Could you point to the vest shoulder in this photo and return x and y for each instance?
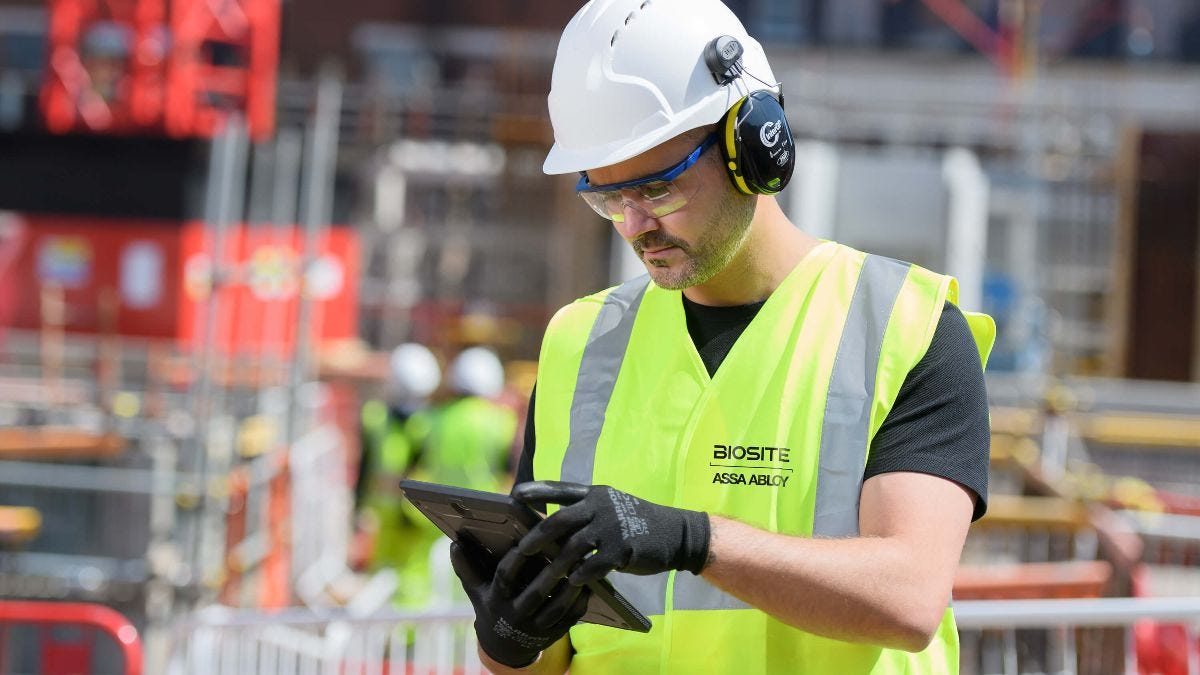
(596, 298)
(563, 344)
(924, 277)
(850, 254)
(583, 309)
(917, 270)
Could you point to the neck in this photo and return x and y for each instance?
(773, 248)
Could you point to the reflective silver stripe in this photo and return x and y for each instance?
(693, 592)
(851, 390)
(647, 593)
(602, 357)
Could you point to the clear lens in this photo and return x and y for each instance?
(654, 191)
(652, 199)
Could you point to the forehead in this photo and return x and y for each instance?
(654, 160)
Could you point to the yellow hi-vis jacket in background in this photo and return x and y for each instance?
(464, 443)
(778, 439)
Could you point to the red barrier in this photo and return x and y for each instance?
(160, 273)
(1162, 646)
(68, 657)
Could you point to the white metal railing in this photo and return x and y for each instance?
(220, 641)
(998, 636)
(1070, 636)
(321, 511)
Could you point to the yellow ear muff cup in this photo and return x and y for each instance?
(729, 146)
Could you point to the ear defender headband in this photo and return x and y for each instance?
(755, 139)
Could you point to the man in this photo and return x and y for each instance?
(465, 441)
(774, 447)
(388, 454)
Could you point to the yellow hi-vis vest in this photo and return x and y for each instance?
(778, 439)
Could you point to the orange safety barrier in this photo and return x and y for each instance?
(1068, 579)
(67, 657)
(257, 569)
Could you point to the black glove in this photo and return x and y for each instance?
(510, 637)
(627, 534)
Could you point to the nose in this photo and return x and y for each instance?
(636, 223)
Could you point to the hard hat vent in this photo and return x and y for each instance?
(628, 20)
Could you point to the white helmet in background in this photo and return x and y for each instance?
(413, 374)
(477, 372)
(630, 74)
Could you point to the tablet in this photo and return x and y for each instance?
(498, 522)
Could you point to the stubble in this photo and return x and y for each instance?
(721, 239)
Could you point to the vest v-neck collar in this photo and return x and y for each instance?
(801, 275)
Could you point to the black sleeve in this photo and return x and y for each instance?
(939, 424)
(525, 465)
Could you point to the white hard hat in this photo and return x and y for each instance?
(631, 74)
(477, 372)
(415, 373)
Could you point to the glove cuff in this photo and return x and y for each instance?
(694, 549)
(509, 662)
(515, 658)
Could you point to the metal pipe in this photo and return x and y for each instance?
(220, 617)
(286, 156)
(225, 193)
(1174, 526)
(320, 170)
(232, 211)
(95, 479)
(1075, 612)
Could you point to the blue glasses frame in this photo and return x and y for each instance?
(665, 176)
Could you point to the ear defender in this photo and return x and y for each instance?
(755, 139)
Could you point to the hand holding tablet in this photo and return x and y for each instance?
(509, 633)
(486, 526)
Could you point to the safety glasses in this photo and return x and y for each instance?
(654, 196)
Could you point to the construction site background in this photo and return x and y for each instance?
(217, 220)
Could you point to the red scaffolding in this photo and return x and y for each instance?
(225, 58)
(106, 65)
(130, 66)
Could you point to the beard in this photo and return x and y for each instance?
(721, 238)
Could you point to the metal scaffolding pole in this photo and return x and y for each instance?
(317, 197)
(223, 203)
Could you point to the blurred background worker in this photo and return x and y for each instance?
(387, 456)
(464, 441)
